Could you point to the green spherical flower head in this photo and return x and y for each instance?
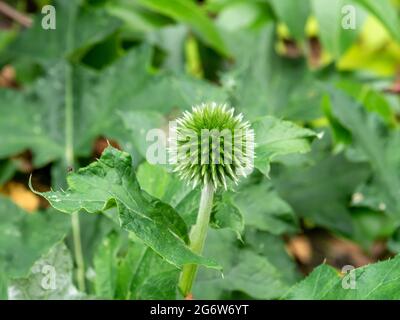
(212, 144)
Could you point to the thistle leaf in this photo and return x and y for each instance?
(111, 181)
(378, 281)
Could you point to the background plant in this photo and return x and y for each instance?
(114, 69)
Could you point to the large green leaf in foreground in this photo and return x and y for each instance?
(111, 181)
(379, 281)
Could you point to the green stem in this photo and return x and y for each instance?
(80, 262)
(69, 157)
(197, 238)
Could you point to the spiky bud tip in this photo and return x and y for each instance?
(212, 144)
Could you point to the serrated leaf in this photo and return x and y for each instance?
(21, 236)
(276, 137)
(111, 181)
(50, 278)
(316, 285)
(378, 281)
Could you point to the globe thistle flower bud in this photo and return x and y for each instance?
(212, 145)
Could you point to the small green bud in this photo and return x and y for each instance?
(212, 145)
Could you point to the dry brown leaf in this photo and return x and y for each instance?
(292, 50)
(300, 248)
(7, 76)
(343, 252)
(315, 52)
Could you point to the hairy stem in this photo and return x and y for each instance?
(197, 238)
(69, 153)
(69, 157)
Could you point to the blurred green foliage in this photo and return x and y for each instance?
(134, 65)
